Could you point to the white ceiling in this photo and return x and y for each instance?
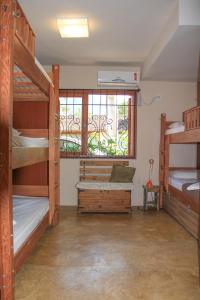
(122, 33)
(178, 61)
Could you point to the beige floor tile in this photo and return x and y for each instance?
(117, 257)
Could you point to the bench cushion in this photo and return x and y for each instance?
(104, 185)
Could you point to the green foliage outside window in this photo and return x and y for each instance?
(97, 145)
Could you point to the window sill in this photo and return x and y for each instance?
(79, 156)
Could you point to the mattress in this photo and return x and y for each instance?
(104, 185)
(23, 141)
(33, 142)
(180, 177)
(185, 173)
(28, 212)
(177, 129)
(178, 183)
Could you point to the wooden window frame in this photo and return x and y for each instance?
(132, 115)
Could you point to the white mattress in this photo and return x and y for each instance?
(23, 141)
(28, 212)
(180, 128)
(179, 182)
(33, 142)
(104, 185)
(185, 173)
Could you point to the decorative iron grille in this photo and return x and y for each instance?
(97, 123)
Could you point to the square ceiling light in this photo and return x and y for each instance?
(73, 28)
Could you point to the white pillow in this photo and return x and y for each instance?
(15, 132)
(194, 186)
(193, 174)
(176, 124)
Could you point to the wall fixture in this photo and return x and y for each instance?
(141, 101)
(73, 28)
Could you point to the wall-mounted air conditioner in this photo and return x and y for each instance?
(119, 78)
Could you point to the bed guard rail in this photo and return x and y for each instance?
(191, 118)
(23, 29)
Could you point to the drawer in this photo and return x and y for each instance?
(183, 198)
(105, 202)
(99, 194)
(182, 213)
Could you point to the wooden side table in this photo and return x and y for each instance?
(155, 201)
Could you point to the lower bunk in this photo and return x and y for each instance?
(30, 220)
(183, 203)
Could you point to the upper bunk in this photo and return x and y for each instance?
(34, 92)
(24, 89)
(186, 132)
(30, 79)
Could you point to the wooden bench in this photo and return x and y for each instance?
(96, 193)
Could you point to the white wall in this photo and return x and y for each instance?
(189, 12)
(175, 98)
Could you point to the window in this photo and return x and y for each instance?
(98, 123)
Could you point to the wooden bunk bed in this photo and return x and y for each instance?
(29, 102)
(182, 204)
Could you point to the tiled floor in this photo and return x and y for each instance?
(144, 256)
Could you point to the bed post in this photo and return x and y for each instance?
(198, 103)
(199, 240)
(6, 107)
(55, 77)
(166, 168)
(162, 158)
(198, 161)
(56, 80)
(54, 149)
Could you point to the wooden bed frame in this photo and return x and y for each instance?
(94, 200)
(178, 204)
(183, 208)
(29, 102)
(185, 205)
(22, 157)
(191, 135)
(29, 245)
